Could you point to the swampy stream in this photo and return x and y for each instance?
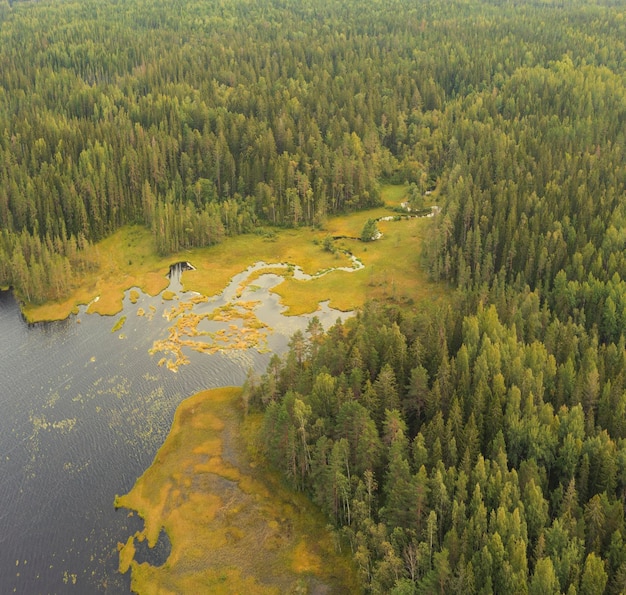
(85, 405)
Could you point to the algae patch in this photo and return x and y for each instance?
(119, 324)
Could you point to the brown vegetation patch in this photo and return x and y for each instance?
(248, 333)
(232, 529)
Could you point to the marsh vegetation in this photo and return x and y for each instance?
(233, 526)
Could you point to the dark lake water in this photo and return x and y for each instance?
(83, 411)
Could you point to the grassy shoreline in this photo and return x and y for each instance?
(392, 266)
(232, 527)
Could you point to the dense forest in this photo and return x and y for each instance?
(459, 453)
(203, 119)
(477, 445)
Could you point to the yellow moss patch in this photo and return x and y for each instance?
(207, 420)
(304, 560)
(393, 272)
(344, 293)
(394, 194)
(217, 466)
(224, 261)
(154, 282)
(251, 333)
(211, 447)
(251, 486)
(246, 535)
(56, 310)
(119, 324)
(168, 295)
(126, 554)
(127, 260)
(133, 296)
(280, 271)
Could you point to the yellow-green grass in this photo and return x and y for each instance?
(127, 260)
(216, 266)
(248, 283)
(393, 194)
(232, 528)
(392, 272)
(251, 333)
(119, 324)
(351, 225)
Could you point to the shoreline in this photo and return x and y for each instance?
(127, 261)
(208, 492)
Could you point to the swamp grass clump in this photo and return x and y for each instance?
(240, 329)
(119, 324)
(233, 527)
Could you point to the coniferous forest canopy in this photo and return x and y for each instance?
(474, 447)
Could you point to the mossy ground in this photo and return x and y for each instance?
(244, 331)
(393, 271)
(119, 324)
(125, 260)
(392, 265)
(233, 528)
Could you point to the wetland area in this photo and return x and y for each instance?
(89, 400)
(85, 409)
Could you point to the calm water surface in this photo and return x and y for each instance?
(83, 411)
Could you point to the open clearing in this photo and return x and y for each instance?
(392, 265)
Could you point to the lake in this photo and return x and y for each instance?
(85, 408)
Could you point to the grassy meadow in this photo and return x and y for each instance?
(391, 270)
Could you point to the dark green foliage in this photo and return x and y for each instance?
(201, 120)
(474, 476)
(370, 231)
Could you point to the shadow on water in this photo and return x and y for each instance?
(178, 268)
(175, 273)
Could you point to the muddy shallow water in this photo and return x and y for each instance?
(83, 412)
